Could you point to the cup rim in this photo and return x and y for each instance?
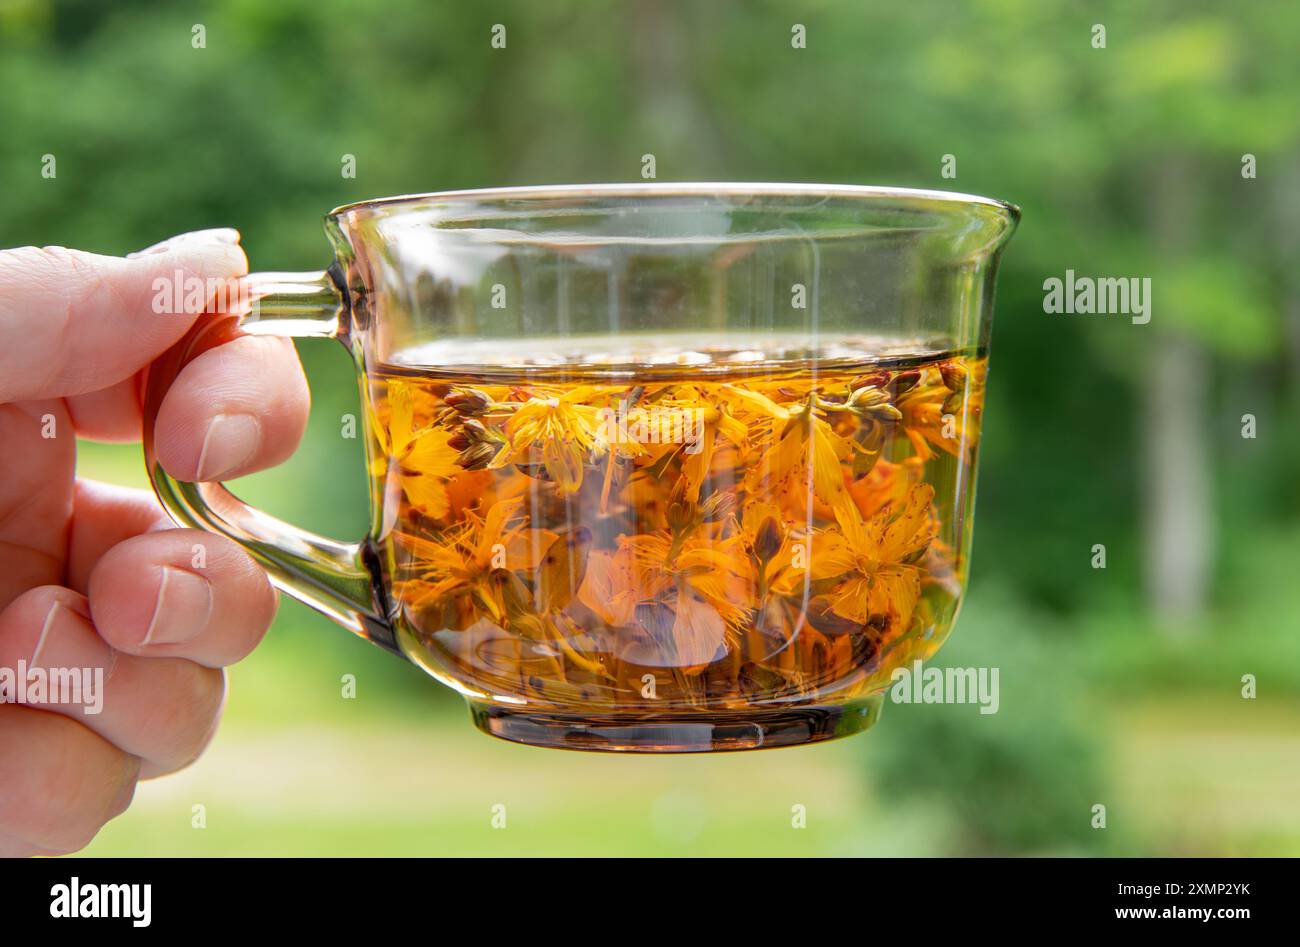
(861, 192)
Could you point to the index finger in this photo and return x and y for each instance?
(74, 322)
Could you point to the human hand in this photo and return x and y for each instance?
(92, 576)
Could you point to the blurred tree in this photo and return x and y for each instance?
(1126, 159)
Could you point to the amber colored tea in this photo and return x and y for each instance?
(720, 529)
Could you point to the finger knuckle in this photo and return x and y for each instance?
(181, 726)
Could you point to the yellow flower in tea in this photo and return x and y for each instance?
(877, 560)
(808, 445)
(714, 421)
(473, 489)
(763, 535)
(423, 457)
(753, 402)
(559, 432)
(886, 483)
(671, 424)
(944, 409)
(462, 562)
(690, 600)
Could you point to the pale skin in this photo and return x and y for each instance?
(97, 576)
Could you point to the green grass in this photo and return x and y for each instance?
(1209, 775)
(417, 780)
(298, 770)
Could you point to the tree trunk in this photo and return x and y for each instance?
(684, 137)
(1178, 477)
(1177, 483)
(1286, 214)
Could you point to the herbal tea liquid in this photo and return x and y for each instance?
(706, 529)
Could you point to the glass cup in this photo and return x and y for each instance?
(654, 467)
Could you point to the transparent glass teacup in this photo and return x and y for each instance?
(654, 467)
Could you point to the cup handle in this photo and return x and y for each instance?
(333, 577)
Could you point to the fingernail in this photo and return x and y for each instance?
(182, 610)
(226, 235)
(57, 635)
(45, 634)
(231, 439)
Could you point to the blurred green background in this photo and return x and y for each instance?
(1121, 686)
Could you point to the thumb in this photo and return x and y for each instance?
(74, 322)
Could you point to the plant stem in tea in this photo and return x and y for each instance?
(687, 538)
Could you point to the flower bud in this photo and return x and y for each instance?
(477, 456)
(873, 380)
(954, 376)
(768, 539)
(468, 401)
(717, 506)
(906, 380)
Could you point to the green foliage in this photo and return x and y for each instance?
(1023, 779)
(1221, 302)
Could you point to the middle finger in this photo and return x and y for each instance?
(162, 710)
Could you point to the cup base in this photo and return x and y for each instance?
(699, 732)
